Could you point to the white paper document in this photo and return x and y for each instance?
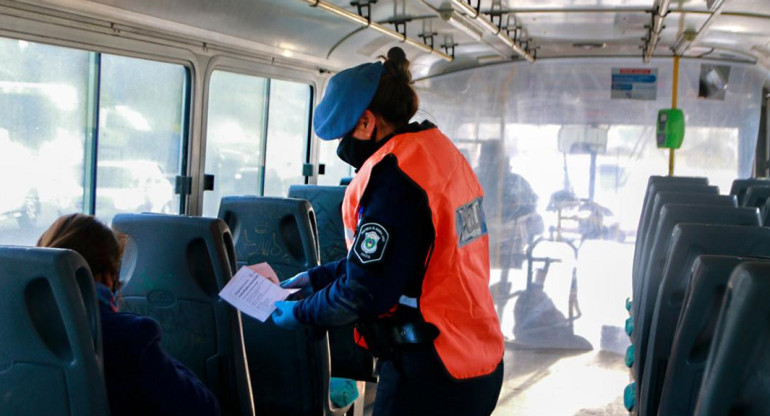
(253, 294)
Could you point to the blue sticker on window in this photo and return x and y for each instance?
(470, 222)
(371, 241)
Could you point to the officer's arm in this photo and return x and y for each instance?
(321, 276)
(391, 245)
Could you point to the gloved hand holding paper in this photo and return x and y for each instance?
(253, 294)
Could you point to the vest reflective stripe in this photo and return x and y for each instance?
(455, 292)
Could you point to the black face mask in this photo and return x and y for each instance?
(355, 152)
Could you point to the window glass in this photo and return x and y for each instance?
(287, 130)
(43, 92)
(336, 169)
(140, 136)
(234, 137)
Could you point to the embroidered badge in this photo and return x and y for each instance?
(371, 242)
(470, 222)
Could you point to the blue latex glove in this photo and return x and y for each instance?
(283, 315)
(300, 281)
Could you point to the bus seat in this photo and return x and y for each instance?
(649, 200)
(646, 239)
(694, 333)
(740, 186)
(280, 231)
(660, 200)
(764, 213)
(348, 360)
(327, 205)
(756, 195)
(290, 370)
(654, 180)
(688, 242)
(660, 263)
(656, 188)
(51, 349)
(735, 377)
(173, 269)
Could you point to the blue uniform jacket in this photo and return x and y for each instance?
(141, 378)
(349, 290)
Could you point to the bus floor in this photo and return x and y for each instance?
(556, 383)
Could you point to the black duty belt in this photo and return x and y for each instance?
(384, 338)
(414, 333)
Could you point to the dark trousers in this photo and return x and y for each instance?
(416, 383)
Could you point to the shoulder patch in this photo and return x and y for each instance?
(470, 222)
(371, 241)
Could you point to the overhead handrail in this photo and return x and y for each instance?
(489, 26)
(659, 12)
(685, 39)
(367, 23)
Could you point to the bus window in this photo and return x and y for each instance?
(234, 136)
(335, 169)
(42, 102)
(287, 133)
(140, 136)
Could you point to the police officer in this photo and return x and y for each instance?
(416, 276)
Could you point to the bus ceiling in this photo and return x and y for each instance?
(446, 35)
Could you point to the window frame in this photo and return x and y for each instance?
(255, 69)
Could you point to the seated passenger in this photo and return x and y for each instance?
(510, 206)
(141, 378)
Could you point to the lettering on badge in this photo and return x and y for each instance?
(371, 241)
(470, 222)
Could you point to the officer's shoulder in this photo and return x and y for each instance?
(391, 182)
(387, 163)
(388, 170)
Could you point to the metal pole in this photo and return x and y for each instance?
(674, 96)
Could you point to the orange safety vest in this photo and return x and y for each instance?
(455, 290)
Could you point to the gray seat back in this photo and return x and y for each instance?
(51, 348)
(735, 378)
(327, 206)
(173, 269)
(648, 195)
(290, 370)
(281, 231)
(740, 186)
(756, 195)
(348, 359)
(688, 242)
(671, 215)
(764, 212)
(661, 260)
(660, 200)
(694, 333)
(645, 218)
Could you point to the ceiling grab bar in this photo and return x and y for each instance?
(363, 21)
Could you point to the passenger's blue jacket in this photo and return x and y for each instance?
(141, 378)
(349, 290)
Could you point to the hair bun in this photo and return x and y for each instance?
(397, 55)
(398, 65)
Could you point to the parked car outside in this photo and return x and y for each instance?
(132, 186)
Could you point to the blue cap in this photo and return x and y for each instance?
(347, 97)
